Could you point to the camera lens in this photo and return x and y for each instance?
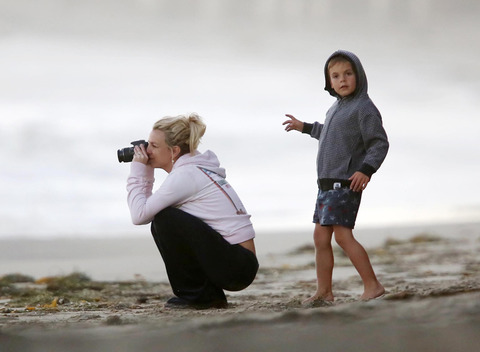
(125, 155)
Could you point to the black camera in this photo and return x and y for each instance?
(126, 154)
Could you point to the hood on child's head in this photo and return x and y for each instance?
(362, 85)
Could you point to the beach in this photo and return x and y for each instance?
(432, 303)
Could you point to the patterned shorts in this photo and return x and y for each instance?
(337, 207)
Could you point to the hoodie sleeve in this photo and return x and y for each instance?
(313, 129)
(144, 205)
(375, 142)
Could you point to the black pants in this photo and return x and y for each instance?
(200, 263)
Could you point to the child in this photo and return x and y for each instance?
(352, 146)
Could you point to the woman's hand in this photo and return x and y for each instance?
(359, 181)
(293, 124)
(140, 154)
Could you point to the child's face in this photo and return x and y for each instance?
(342, 78)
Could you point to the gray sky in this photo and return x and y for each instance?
(81, 80)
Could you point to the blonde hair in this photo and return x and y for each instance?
(184, 131)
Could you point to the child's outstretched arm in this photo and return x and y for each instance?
(293, 124)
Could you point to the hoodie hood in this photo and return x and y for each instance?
(361, 77)
(207, 160)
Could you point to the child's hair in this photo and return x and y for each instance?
(184, 131)
(340, 58)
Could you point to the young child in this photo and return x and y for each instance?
(352, 146)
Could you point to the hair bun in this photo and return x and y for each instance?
(184, 131)
(193, 117)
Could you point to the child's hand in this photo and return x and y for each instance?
(359, 181)
(293, 124)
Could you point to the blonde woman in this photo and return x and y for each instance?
(199, 224)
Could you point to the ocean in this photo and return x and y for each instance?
(81, 80)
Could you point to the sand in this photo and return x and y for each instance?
(432, 304)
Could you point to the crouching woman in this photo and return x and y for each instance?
(198, 222)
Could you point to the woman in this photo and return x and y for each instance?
(199, 224)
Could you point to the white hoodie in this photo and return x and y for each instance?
(195, 185)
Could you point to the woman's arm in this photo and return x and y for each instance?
(144, 205)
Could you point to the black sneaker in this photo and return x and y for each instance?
(180, 303)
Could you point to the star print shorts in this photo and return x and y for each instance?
(337, 207)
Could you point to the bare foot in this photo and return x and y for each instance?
(319, 300)
(373, 293)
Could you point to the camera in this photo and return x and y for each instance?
(126, 154)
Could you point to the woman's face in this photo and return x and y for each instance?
(160, 155)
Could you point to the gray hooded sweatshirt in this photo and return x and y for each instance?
(352, 137)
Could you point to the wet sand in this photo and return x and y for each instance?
(432, 304)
